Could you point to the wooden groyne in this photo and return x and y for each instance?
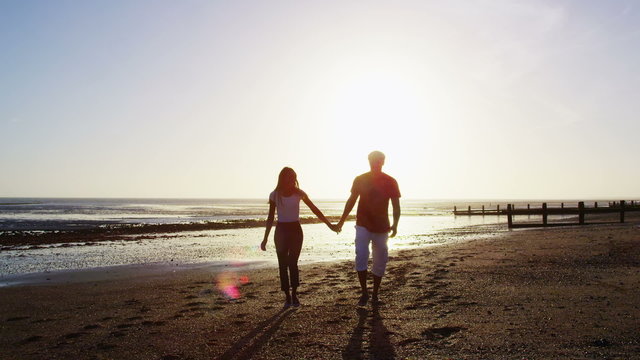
(510, 210)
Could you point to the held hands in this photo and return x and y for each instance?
(335, 228)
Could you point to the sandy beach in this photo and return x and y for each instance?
(569, 292)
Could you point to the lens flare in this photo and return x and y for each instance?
(228, 284)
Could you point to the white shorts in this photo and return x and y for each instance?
(379, 247)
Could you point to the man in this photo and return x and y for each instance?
(375, 189)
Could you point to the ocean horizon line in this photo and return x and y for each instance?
(472, 199)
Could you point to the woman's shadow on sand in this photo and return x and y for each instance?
(380, 346)
(251, 343)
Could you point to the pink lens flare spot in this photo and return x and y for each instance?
(231, 292)
(228, 284)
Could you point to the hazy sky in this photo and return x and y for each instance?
(468, 99)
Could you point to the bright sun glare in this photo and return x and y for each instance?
(384, 110)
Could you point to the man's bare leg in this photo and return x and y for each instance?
(376, 287)
(362, 276)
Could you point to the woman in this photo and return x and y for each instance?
(288, 238)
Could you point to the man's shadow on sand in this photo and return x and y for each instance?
(251, 343)
(380, 346)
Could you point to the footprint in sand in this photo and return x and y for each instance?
(31, 339)
(153, 323)
(442, 332)
(205, 292)
(18, 318)
(408, 341)
(92, 326)
(103, 346)
(118, 333)
(74, 335)
(134, 318)
(195, 304)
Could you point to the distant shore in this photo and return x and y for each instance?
(570, 292)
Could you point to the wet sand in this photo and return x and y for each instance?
(570, 292)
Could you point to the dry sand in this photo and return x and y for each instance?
(570, 292)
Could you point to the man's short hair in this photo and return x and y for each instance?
(376, 156)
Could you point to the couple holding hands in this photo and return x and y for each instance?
(374, 188)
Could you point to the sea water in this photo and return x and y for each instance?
(423, 223)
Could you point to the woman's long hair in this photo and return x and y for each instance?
(284, 173)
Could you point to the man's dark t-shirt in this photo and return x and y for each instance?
(375, 190)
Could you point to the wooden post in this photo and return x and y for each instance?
(595, 204)
(498, 209)
(528, 206)
(581, 212)
(469, 210)
(544, 214)
(562, 205)
(455, 209)
(621, 211)
(509, 217)
(482, 209)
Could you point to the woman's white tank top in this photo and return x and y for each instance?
(287, 207)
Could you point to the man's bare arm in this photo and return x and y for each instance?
(395, 202)
(347, 209)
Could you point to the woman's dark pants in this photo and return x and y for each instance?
(288, 240)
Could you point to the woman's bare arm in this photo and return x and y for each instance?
(317, 212)
(272, 212)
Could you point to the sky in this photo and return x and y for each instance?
(481, 99)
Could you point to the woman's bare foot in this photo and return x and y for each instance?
(363, 300)
(287, 301)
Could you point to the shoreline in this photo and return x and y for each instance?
(112, 272)
(9, 239)
(569, 292)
